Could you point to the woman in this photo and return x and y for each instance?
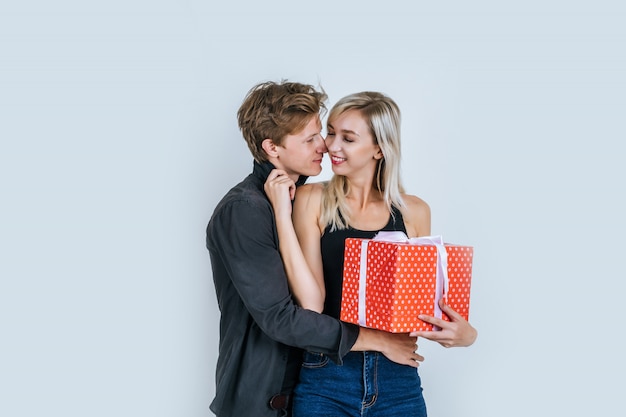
(364, 197)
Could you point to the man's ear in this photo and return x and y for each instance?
(269, 147)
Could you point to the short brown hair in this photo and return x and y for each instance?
(274, 110)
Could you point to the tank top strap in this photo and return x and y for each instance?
(396, 221)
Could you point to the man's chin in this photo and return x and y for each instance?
(314, 172)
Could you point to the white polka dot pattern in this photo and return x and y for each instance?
(401, 283)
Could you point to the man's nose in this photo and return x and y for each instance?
(322, 145)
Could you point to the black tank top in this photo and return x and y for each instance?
(332, 246)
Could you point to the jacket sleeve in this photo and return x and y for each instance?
(243, 236)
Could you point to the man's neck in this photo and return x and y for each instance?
(278, 165)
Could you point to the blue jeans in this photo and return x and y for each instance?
(366, 385)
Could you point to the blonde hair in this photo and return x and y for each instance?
(383, 117)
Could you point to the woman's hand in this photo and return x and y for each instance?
(280, 190)
(454, 333)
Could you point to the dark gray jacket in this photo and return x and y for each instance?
(259, 321)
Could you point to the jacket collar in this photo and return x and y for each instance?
(262, 171)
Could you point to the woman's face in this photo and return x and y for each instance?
(351, 146)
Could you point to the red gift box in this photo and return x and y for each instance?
(387, 284)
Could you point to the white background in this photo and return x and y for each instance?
(119, 136)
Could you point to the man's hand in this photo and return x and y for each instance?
(454, 333)
(397, 347)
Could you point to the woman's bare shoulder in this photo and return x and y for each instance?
(417, 216)
(309, 197)
(415, 204)
(310, 190)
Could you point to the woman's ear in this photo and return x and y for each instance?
(269, 147)
(379, 153)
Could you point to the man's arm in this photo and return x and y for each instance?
(242, 236)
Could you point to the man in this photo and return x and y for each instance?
(262, 330)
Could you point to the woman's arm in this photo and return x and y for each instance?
(304, 286)
(457, 331)
(306, 222)
(454, 333)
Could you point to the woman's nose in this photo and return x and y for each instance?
(330, 143)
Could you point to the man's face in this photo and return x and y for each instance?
(302, 153)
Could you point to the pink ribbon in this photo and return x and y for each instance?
(441, 286)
